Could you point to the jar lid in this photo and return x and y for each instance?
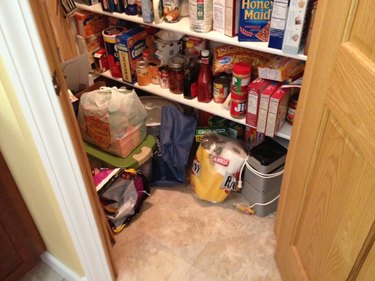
(242, 68)
(176, 62)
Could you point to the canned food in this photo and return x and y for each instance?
(143, 73)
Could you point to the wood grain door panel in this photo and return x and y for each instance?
(326, 220)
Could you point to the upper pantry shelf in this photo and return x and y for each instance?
(183, 26)
(211, 107)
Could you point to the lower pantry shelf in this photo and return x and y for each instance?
(211, 107)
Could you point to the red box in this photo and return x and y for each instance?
(277, 111)
(263, 105)
(254, 90)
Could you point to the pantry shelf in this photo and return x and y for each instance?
(211, 107)
(183, 26)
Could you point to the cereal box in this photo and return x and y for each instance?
(130, 45)
(255, 16)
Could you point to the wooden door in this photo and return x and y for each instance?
(325, 223)
(20, 242)
(54, 53)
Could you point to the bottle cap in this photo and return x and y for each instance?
(189, 44)
(205, 53)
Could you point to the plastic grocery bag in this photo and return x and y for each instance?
(113, 119)
(121, 193)
(216, 167)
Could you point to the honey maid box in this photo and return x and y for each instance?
(254, 23)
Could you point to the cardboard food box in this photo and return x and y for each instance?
(232, 17)
(130, 45)
(89, 23)
(277, 111)
(254, 23)
(219, 15)
(254, 90)
(281, 69)
(278, 22)
(263, 105)
(296, 26)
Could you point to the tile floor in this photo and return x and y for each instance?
(42, 272)
(180, 238)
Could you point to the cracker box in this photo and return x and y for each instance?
(255, 17)
(297, 26)
(263, 105)
(232, 16)
(254, 90)
(277, 111)
(130, 45)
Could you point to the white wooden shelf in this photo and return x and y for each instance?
(211, 107)
(183, 26)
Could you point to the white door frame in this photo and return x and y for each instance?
(23, 54)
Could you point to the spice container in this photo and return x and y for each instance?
(238, 103)
(292, 107)
(221, 88)
(164, 77)
(143, 73)
(241, 77)
(176, 75)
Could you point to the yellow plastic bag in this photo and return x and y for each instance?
(216, 167)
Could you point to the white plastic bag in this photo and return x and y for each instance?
(113, 119)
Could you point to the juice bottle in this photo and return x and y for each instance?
(205, 78)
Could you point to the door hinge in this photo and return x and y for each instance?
(56, 83)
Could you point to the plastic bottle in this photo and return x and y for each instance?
(205, 78)
(191, 72)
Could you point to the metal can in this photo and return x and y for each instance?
(143, 73)
(164, 77)
(238, 103)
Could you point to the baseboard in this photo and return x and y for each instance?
(60, 268)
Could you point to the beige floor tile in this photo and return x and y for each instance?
(140, 257)
(240, 258)
(179, 237)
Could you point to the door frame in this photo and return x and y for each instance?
(27, 66)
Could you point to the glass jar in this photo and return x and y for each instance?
(292, 107)
(176, 75)
(143, 74)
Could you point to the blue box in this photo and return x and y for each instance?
(278, 23)
(255, 17)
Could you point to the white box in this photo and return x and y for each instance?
(296, 26)
(232, 17)
(219, 16)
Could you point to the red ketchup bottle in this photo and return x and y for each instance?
(205, 78)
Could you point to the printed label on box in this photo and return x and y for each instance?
(255, 16)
